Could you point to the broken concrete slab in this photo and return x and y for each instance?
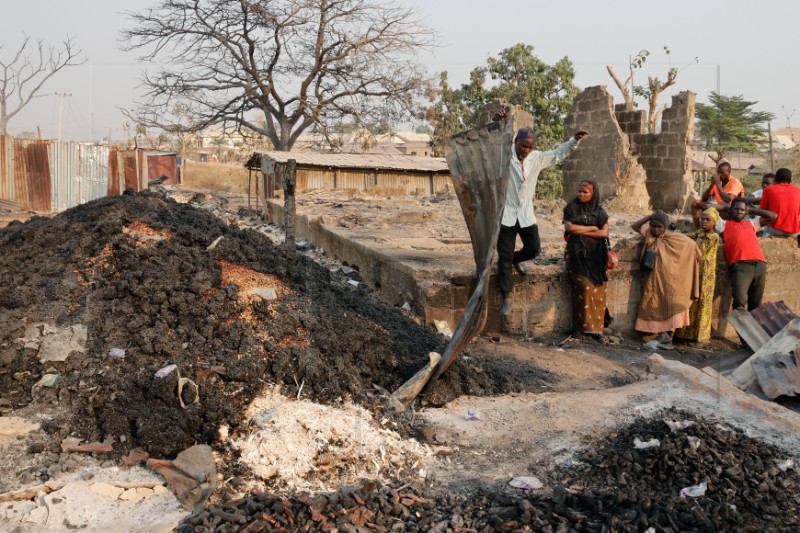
(107, 490)
(778, 374)
(768, 413)
(265, 293)
(54, 343)
(192, 475)
(93, 505)
(14, 426)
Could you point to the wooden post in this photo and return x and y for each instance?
(289, 183)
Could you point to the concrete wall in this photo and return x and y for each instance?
(639, 169)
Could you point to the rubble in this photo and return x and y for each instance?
(171, 301)
(729, 483)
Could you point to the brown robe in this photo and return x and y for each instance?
(675, 279)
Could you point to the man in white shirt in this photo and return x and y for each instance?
(518, 215)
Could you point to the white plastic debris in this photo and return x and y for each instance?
(353, 282)
(406, 306)
(443, 328)
(694, 442)
(346, 270)
(526, 483)
(786, 465)
(473, 415)
(116, 352)
(652, 345)
(675, 425)
(650, 530)
(642, 445)
(215, 243)
(166, 371)
(695, 491)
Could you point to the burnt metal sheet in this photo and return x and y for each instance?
(773, 316)
(479, 162)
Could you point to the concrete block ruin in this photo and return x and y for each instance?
(640, 170)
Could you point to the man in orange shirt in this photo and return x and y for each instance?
(724, 189)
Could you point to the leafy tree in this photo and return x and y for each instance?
(730, 124)
(520, 78)
(28, 69)
(279, 67)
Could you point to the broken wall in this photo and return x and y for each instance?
(604, 155)
(641, 170)
(666, 155)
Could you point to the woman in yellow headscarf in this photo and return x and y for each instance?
(707, 240)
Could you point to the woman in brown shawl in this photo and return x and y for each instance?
(672, 282)
(586, 232)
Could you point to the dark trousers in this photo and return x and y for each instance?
(748, 279)
(506, 256)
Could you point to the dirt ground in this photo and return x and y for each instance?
(288, 345)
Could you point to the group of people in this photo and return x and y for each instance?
(678, 270)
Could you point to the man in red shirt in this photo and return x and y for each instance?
(784, 199)
(746, 263)
(723, 189)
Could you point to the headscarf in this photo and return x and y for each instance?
(525, 134)
(587, 255)
(660, 217)
(713, 213)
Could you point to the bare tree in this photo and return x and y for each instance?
(649, 92)
(295, 62)
(28, 70)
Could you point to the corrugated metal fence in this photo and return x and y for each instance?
(50, 176)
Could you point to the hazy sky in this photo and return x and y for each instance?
(752, 45)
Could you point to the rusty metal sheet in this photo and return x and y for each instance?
(773, 316)
(33, 169)
(479, 163)
(162, 165)
(114, 177)
(131, 177)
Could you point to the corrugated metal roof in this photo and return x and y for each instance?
(366, 161)
(773, 316)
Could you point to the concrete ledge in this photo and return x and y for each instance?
(437, 281)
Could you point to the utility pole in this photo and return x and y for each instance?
(60, 111)
(771, 151)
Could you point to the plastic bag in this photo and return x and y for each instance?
(695, 491)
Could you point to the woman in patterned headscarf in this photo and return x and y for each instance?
(670, 283)
(586, 231)
(707, 240)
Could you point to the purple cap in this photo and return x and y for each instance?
(525, 134)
